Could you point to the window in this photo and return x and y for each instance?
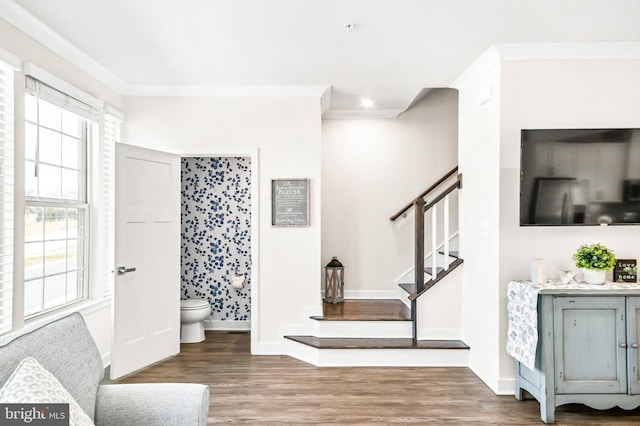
(6, 196)
(57, 131)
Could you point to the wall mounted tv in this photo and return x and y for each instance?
(580, 177)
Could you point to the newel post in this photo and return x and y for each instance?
(418, 263)
(419, 244)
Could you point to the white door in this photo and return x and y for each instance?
(146, 305)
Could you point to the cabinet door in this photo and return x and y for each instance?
(589, 338)
(633, 340)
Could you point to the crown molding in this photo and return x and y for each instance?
(339, 114)
(568, 51)
(499, 53)
(248, 91)
(483, 64)
(42, 33)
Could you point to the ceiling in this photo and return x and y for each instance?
(390, 51)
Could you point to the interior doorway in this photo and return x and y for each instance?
(223, 188)
(216, 238)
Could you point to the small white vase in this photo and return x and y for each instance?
(594, 276)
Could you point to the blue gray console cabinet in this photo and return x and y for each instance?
(587, 351)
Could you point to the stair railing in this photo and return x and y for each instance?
(403, 211)
(421, 207)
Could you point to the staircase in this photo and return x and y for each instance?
(384, 332)
(378, 332)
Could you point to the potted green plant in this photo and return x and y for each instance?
(594, 260)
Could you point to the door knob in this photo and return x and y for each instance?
(123, 270)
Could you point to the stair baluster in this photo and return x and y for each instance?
(436, 273)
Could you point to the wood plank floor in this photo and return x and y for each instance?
(365, 310)
(278, 390)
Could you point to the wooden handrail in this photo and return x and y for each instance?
(446, 192)
(435, 280)
(424, 193)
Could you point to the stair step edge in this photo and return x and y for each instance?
(321, 318)
(376, 343)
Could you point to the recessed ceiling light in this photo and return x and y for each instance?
(366, 102)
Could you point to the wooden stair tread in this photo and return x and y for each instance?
(428, 269)
(376, 343)
(365, 310)
(408, 287)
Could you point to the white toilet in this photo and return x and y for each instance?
(193, 312)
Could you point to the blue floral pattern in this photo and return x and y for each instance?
(216, 234)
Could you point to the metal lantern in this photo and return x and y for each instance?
(334, 281)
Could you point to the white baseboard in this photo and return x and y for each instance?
(106, 359)
(227, 325)
(490, 380)
(506, 387)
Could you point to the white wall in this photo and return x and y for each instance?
(479, 161)
(371, 168)
(506, 90)
(557, 94)
(287, 134)
(98, 317)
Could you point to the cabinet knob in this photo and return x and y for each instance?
(634, 346)
(623, 345)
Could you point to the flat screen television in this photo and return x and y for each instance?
(580, 177)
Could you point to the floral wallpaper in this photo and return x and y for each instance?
(216, 234)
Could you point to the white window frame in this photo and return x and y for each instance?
(100, 168)
(91, 108)
(81, 291)
(8, 65)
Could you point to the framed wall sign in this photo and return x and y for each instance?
(290, 202)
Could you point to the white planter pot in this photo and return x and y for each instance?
(594, 276)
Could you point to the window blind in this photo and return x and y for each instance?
(6, 195)
(112, 124)
(49, 94)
